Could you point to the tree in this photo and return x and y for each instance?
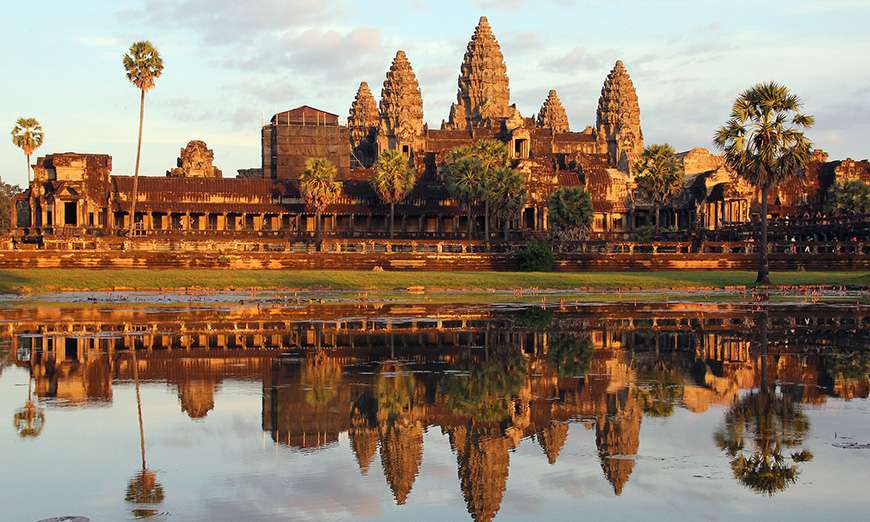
(463, 177)
(764, 144)
(848, 197)
(492, 156)
(143, 66)
(570, 207)
(660, 176)
(28, 136)
(319, 188)
(394, 179)
(7, 202)
(505, 192)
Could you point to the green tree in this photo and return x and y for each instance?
(570, 208)
(505, 193)
(660, 176)
(28, 136)
(463, 177)
(483, 390)
(764, 143)
(394, 179)
(492, 156)
(143, 66)
(848, 197)
(319, 189)
(7, 202)
(570, 353)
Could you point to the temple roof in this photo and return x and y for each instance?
(401, 104)
(552, 114)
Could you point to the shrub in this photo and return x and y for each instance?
(537, 256)
(645, 233)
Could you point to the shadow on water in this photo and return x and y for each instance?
(488, 378)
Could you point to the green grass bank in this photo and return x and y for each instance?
(52, 280)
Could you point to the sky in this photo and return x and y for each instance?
(230, 65)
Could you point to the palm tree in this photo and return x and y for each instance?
(764, 143)
(463, 177)
(319, 188)
(393, 180)
(27, 135)
(143, 65)
(494, 155)
(30, 419)
(570, 208)
(660, 175)
(505, 192)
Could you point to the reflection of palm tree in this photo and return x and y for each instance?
(665, 388)
(758, 429)
(570, 354)
(485, 393)
(30, 419)
(395, 390)
(143, 488)
(320, 377)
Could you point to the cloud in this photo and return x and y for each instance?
(573, 60)
(222, 22)
(520, 42)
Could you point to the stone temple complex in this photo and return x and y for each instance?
(75, 195)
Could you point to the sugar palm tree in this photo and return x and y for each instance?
(143, 66)
(463, 177)
(30, 419)
(764, 143)
(28, 136)
(660, 176)
(393, 180)
(319, 188)
(505, 192)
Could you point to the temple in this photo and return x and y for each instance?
(76, 196)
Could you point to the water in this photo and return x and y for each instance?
(397, 412)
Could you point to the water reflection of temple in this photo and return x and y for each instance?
(515, 375)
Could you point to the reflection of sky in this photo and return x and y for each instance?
(224, 467)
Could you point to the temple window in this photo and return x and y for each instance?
(175, 222)
(90, 219)
(521, 148)
(406, 150)
(212, 221)
(22, 214)
(249, 222)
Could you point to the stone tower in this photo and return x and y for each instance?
(618, 119)
(552, 114)
(401, 108)
(483, 99)
(363, 121)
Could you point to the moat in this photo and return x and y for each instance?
(376, 411)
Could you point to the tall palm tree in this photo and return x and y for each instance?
(505, 193)
(27, 135)
(30, 419)
(494, 155)
(764, 143)
(660, 176)
(393, 180)
(464, 177)
(143, 65)
(319, 188)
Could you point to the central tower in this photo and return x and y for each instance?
(483, 99)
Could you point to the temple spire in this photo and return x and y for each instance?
(362, 121)
(401, 107)
(618, 119)
(484, 94)
(552, 114)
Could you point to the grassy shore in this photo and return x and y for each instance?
(52, 280)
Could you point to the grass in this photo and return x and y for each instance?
(49, 280)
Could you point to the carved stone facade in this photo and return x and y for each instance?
(483, 99)
(401, 122)
(618, 119)
(552, 114)
(195, 161)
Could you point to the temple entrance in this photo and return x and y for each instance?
(70, 216)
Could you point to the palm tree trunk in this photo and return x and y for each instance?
(139, 407)
(135, 193)
(470, 233)
(27, 159)
(658, 211)
(486, 220)
(506, 225)
(392, 218)
(763, 271)
(318, 235)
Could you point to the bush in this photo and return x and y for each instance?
(537, 256)
(645, 233)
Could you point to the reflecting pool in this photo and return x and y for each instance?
(403, 412)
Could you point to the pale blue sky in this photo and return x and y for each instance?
(231, 64)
